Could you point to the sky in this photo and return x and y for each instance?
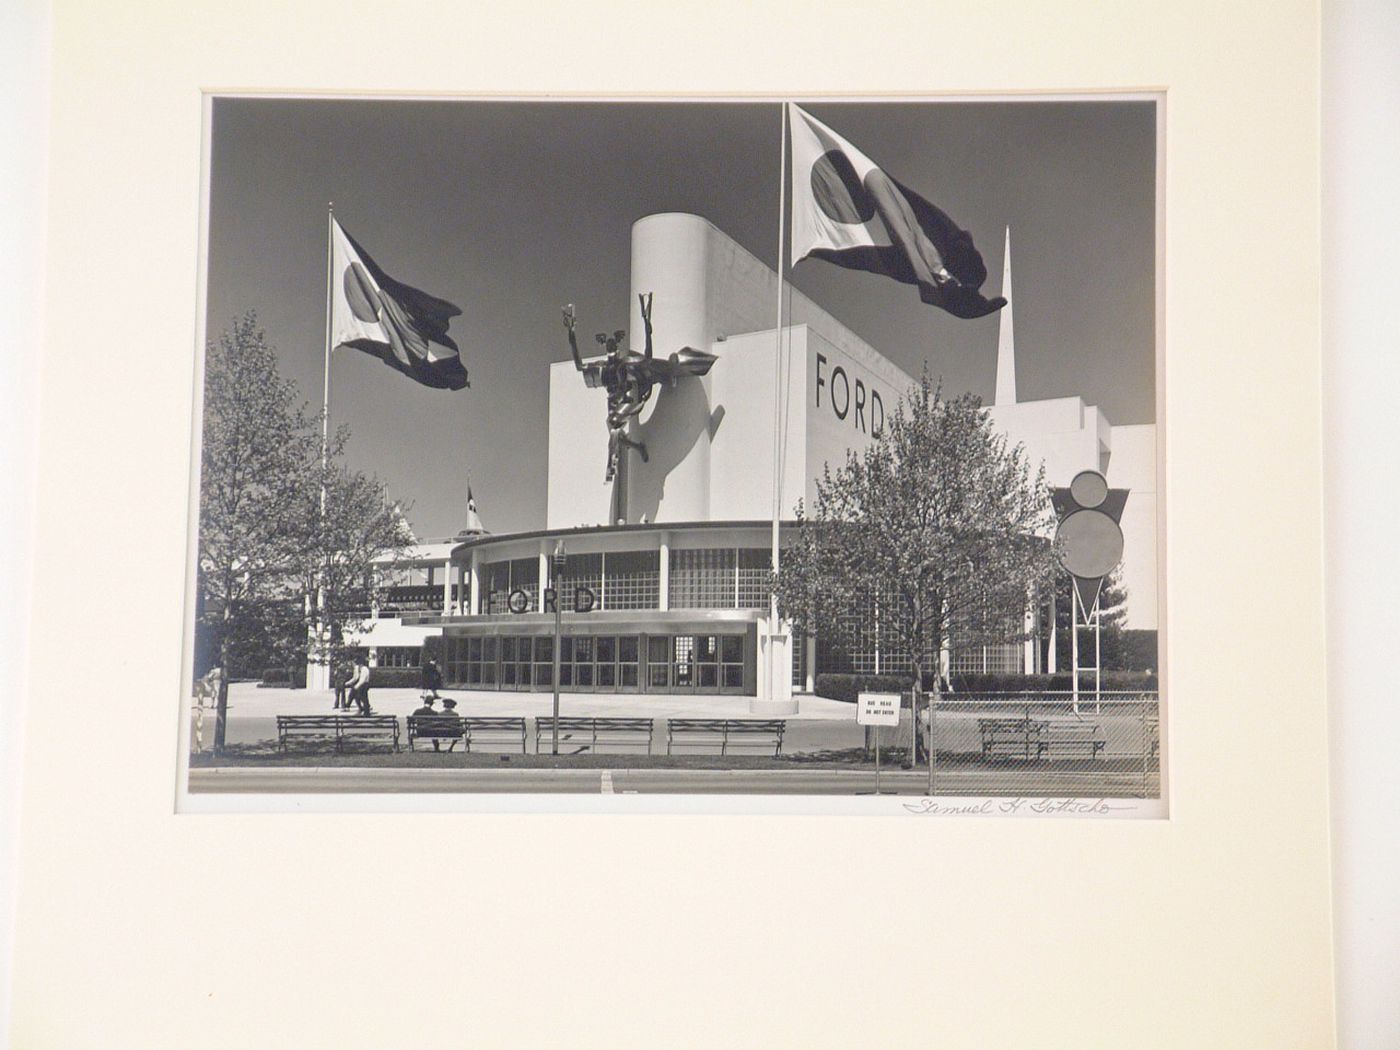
(511, 209)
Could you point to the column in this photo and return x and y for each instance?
(544, 573)
(474, 609)
(671, 258)
(664, 583)
(774, 670)
(447, 587)
(811, 644)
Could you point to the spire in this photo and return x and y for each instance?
(1006, 340)
(474, 526)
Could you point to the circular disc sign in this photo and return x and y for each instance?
(1090, 543)
(1089, 489)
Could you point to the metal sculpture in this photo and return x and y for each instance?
(629, 378)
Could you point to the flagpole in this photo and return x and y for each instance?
(771, 662)
(326, 381)
(326, 431)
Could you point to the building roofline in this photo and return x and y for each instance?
(605, 530)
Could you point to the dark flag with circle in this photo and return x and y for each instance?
(404, 327)
(846, 210)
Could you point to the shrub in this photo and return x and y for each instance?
(847, 687)
(1062, 682)
(433, 650)
(395, 677)
(283, 678)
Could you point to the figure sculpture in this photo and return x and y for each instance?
(629, 377)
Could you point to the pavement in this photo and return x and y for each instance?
(819, 724)
(969, 782)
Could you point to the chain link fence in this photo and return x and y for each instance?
(1038, 744)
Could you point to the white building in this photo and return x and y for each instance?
(682, 578)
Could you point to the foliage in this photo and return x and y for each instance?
(1061, 682)
(939, 525)
(395, 677)
(275, 567)
(1120, 648)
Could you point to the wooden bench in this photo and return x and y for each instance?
(339, 728)
(492, 730)
(1076, 739)
(739, 732)
(436, 727)
(1010, 737)
(1032, 740)
(631, 731)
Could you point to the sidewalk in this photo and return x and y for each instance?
(819, 725)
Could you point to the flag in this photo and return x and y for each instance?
(846, 210)
(403, 327)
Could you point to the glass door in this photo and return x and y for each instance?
(628, 661)
(683, 663)
(658, 663)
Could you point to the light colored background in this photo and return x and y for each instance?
(1211, 929)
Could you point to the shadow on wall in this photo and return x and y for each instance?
(680, 419)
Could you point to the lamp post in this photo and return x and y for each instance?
(557, 563)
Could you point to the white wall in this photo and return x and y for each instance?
(741, 454)
(578, 451)
(1361, 347)
(710, 441)
(1133, 466)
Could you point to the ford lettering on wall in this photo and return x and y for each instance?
(850, 398)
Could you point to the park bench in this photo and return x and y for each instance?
(736, 732)
(1031, 739)
(435, 727)
(632, 731)
(339, 728)
(493, 730)
(1010, 737)
(1077, 739)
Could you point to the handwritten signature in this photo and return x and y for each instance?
(1015, 807)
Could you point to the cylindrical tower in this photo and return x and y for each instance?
(670, 260)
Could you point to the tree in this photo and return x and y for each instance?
(359, 545)
(938, 525)
(287, 533)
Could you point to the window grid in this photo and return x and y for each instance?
(398, 656)
(704, 578)
(502, 577)
(632, 580)
(580, 570)
(754, 577)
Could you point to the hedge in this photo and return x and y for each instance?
(432, 650)
(395, 677)
(1112, 681)
(847, 687)
(283, 678)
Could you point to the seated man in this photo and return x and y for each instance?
(449, 707)
(427, 709)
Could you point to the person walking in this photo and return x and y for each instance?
(431, 679)
(359, 686)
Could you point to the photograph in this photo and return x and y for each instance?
(685, 449)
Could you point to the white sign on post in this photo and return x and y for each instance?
(877, 709)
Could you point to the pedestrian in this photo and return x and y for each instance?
(431, 679)
(342, 685)
(359, 689)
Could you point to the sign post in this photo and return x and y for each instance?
(877, 709)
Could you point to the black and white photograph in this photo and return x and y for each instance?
(675, 452)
